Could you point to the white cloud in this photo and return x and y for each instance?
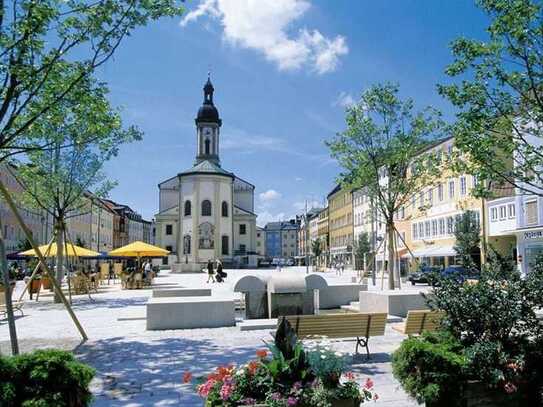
(263, 26)
(269, 196)
(300, 206)
(265, 217)
(344, 100)
(298, 179)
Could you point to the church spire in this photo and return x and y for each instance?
(208, 126)
(208, 90)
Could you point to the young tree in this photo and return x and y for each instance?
(83, 136)
(39, 37)
(363, 249)
(500, 97)
(316, 248)
(467, 233)
(382, 150)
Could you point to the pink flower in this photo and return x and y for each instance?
(349, 376)
(510, 387)
(375, 397)
(204, 389)
(187, 377)
(226, 390)
(292, 401)
(369, 384)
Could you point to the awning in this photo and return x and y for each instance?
(433, 251)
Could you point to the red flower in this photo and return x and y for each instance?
(375, 397)
(187, 377)
(349, 376)
(261, 353)
(252, 366)
(369, 384)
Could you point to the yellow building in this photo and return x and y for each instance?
(340, 223)
(323, 236)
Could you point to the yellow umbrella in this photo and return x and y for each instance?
(72, 251)
(139, 249)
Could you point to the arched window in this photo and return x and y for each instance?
(206, 208)
(187, 208)
(206, 143)
(224, 209)
(224, 245)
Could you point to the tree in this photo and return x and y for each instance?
(83, 136)
(500, 97)
(382, 149)
(362, 249)
(467, 233)
(48, 47)
(316, 248)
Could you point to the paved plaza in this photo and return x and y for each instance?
(136, 367)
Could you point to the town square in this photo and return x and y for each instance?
(275, 203)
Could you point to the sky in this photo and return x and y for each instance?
(284, 71)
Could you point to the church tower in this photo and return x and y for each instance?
(208, 126)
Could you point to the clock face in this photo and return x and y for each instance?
(207, 131)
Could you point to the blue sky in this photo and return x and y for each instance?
(283, 71)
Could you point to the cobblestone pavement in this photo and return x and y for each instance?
(136, 367)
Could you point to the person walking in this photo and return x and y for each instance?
(221, 275)
(210, 271)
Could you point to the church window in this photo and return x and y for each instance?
(224, 245)
(242, 229)
(224, 209)
(169, 230)
(186, 244)
(187, 208)
(206, 208)
(207, 146)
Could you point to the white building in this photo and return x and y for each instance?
(206, 212)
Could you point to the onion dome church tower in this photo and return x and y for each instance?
(206, 212)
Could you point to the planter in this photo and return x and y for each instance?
(46, 283)
(35, 286)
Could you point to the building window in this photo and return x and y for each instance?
(206, 208)
(440, 192)
(441, 226)
(421, 230)
(188, 208)
(503, 212)
(427, 228)
(450, 225)
(169, 230)
(242, 248)
(224, 245)
(186, 244)
(451, 189)
(434, 227)
(463, 186)
(415, 231)
(207, 144)
(430, 196)
(511, 211)
(421, 199)
(224, 209)
(531, 212)
(243, 229)
(493, 214)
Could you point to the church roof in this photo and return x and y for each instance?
(207, 167)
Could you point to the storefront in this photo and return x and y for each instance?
(529, 248)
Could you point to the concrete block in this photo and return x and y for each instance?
(189, 312)
(336, 295)
(393, 303)
(182, 292)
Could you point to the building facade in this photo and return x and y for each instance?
(206, 212)
(260, 241)
(340, 223)
(282, 239)
(323, 236)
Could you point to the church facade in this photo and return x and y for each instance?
(206, 212)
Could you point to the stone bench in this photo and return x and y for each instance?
(393, 303)
(182, 292)
(189, 312)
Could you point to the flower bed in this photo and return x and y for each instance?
(286, 374)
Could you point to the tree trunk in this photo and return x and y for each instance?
(7, 292)
(391, 266)
(59, 273)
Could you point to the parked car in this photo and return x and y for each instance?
(460, 273)
(424, 275)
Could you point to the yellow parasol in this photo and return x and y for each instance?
(72, 251)
(139, 249)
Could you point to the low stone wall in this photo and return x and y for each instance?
(392, 303)
(182, 292)
(189, 312)
(336, 295)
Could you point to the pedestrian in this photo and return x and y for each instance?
(147, 269)
(221, 275)
(210, 271)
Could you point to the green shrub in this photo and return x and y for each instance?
(44, 378)
(431, 368)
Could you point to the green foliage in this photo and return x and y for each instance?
(381, 151)
(467, 233)
(316, 248)
(497, 90)
(23, 245)
(45, 378)
(431, 367)
(362, 248)
(49, 48)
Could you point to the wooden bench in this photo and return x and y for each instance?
(17, 305)
(418, 321)
(357, 325)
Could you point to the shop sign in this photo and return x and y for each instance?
(534, 235)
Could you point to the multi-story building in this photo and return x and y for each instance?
(128, 225)
(365, 221)
(282, 239)
(307, 233)
(340, 221)
(260, 241)
(323, 236)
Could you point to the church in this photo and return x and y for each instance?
(206, 212)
